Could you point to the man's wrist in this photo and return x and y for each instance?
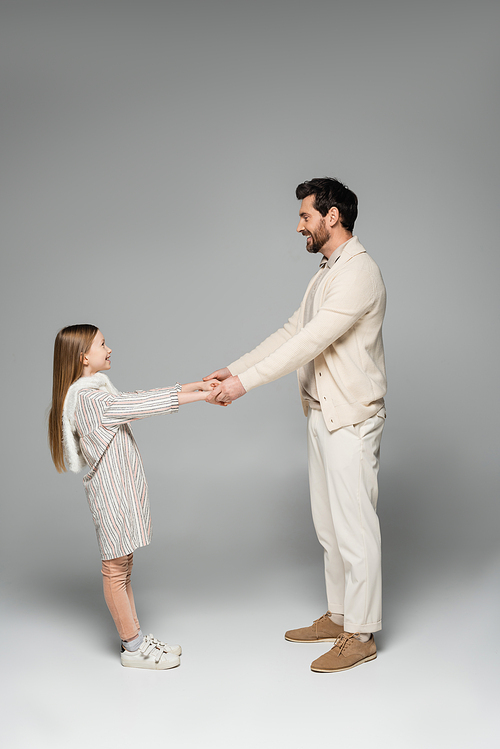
(244, 381)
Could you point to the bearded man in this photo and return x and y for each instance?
(334, 341)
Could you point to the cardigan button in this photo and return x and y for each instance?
(320, 374)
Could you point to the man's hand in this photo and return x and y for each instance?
(208, 386)
(219, 374)
(227, 391)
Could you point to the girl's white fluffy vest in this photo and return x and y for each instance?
(71, 442)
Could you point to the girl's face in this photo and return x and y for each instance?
(97, 357)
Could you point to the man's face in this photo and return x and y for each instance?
(312, 225)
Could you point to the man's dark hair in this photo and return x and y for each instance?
(330, 193)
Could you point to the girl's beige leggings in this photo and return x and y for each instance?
(119, 597)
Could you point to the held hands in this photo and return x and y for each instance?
(197, 391)
(207, 386)
(220, 388)
(227, 388)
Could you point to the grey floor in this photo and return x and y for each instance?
(434, 683)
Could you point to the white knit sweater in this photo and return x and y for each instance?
(344, 339)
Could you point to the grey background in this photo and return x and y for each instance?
(150, 153)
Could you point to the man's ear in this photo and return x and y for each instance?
(333, 216)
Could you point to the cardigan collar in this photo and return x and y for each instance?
(352, 247)
(71, 442)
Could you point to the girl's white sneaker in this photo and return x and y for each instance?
(153, 654)
(175, 649)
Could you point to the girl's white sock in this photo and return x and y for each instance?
(134, 644)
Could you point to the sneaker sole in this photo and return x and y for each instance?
(346, 668)
(144, 665)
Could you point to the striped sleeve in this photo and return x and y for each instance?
(126, 407)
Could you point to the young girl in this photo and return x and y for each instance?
(89, 426)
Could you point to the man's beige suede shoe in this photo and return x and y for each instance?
(347, 652)
(321, 630)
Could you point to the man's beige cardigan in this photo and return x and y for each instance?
(344, 338)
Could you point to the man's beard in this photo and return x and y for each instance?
(319, 239)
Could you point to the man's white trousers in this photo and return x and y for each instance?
(343, 470)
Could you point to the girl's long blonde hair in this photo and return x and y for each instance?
(70, 345)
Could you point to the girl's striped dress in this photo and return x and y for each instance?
(116, 486)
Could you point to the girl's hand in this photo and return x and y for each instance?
(209, 385)
(192, 387)
(198, 391)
